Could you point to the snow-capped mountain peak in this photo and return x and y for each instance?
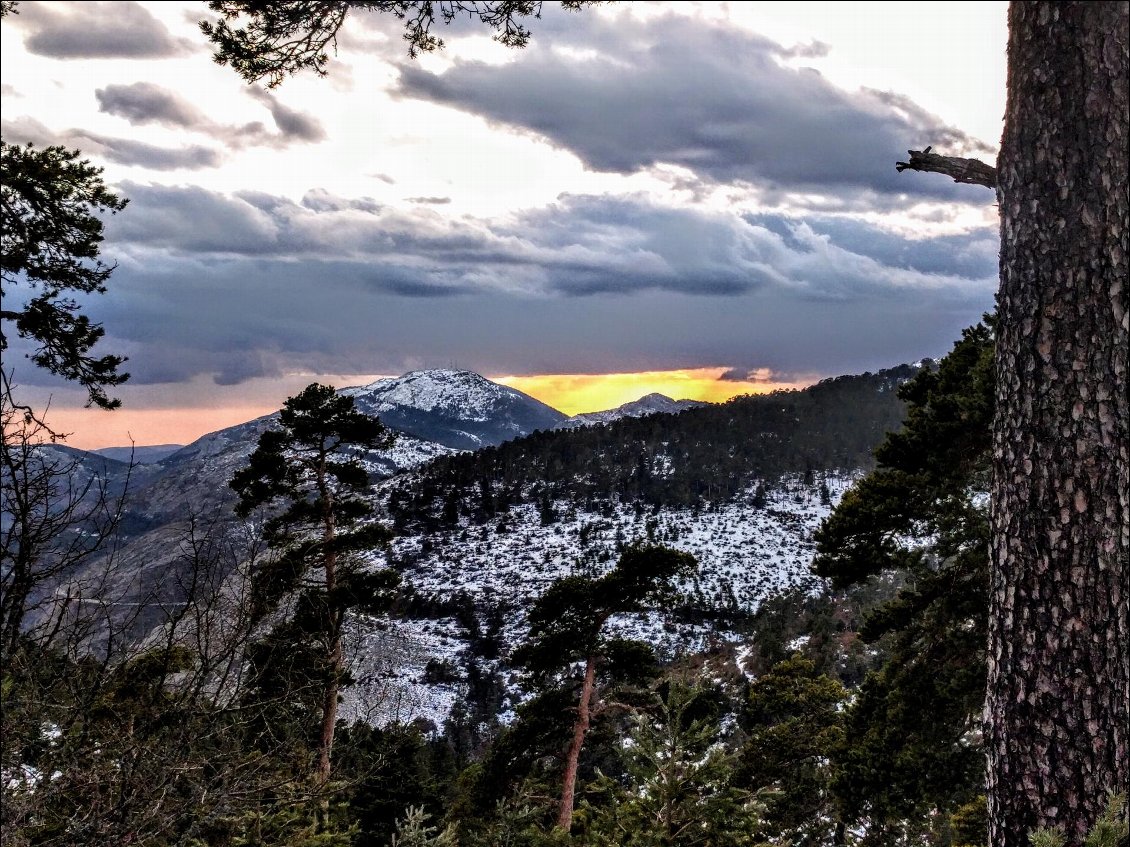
(437, 388)
(460, 409)
(649, 404)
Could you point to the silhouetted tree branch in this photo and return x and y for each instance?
(969, 171)
(275, 40)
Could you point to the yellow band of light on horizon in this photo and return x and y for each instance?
(576, 393)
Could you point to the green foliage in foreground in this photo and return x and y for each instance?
(307, 475)
(679, 787)
(912, 733)
(1111, 830)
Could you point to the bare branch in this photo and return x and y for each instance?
(970, 171)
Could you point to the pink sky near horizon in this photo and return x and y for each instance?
(168, 422)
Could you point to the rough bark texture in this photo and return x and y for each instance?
(1059, 661)
(971, 171)
(573, 755)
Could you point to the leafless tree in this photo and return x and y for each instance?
(124, 717)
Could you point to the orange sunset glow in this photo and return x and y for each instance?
(576, 393)
(153, 416)
(91, 429)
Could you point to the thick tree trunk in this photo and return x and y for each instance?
(1059, 661)
(573, 754)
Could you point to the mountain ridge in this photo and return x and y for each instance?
(649, 404)
(459, 409)
(139, 454)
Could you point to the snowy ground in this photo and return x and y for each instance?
(745, 555)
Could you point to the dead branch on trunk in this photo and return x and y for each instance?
(970, 171)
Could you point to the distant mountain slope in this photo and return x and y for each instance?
(191, 483)
(479, 536)
(649, 404)
(472, 585)
(458, 409)
(432, 411)
(146, 455)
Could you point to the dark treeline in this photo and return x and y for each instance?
(701, 456)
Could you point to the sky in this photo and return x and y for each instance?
(693, 198)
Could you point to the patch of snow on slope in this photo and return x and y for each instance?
(388, 661)
(406, 453)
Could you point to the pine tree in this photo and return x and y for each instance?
(678, 790)
(921, 517)
(567, 626)
(1057, 709)
(308, 474)
(794, 723)
(51, 226)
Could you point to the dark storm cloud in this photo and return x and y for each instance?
(233, 319)
(258, 285)
(194, 220)
(580, 246)
(86, 30)
(626, 95)
(593, 284)
(761, 375)
(734, 375)
(124, 151)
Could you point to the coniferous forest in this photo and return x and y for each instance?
(953, 671)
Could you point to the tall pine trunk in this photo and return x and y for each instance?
(1059, 642)
(573, 754)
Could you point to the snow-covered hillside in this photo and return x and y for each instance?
(475, 571)
(746, 553)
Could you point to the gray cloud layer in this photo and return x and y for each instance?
(124, 151)
(627, 95)
(143, 103)
(241, 318)
(292, 124)
(581, 245)
(257, 285)
(93, 30)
